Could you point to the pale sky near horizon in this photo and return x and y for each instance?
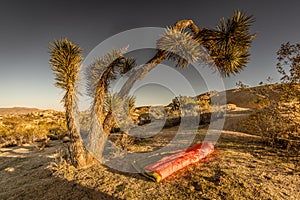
(27, 27)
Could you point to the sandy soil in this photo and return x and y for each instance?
(25, 174)
(242, 167)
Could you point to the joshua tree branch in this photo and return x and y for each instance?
(151, 64)
(96, 139)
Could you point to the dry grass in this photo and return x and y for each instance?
(19, 129)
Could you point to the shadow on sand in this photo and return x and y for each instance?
(24, 175)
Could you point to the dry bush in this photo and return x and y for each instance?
(27, 128)
(279, 122)
(122, 140)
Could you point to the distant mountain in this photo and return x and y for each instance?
(17, 110)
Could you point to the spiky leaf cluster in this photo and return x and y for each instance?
(115, 103)
(229, 43)
(101, 73)
(180, 46)
(65, 61)
(96, 69)
(121, 108)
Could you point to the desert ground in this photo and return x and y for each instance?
(242, 167)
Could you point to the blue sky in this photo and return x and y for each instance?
(27, 27)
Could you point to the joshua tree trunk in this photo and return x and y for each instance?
(78, 154)
(98, 134)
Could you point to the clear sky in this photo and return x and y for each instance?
(28, 26)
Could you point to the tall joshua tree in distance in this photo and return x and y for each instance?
(65, 61)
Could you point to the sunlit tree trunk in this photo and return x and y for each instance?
(78, 154)
(98, 134)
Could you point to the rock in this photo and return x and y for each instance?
(66, 139)
(230, 106)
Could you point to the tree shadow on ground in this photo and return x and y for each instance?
(27, 176)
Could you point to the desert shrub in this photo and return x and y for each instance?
(27, 128)
(204, 104)
(122, 140)
(262, 101)
(241, 85)
(195, 104)
(278, 118)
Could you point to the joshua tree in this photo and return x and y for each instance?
(99, 74)
(227, 46)
(65, 61)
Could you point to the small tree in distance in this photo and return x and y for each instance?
(289, 57)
